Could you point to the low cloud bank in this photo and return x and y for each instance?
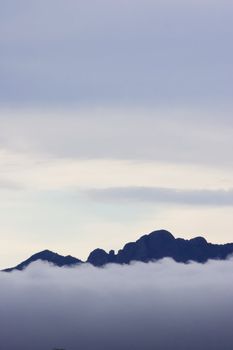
(154, 306)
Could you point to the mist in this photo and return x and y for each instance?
(159, 305)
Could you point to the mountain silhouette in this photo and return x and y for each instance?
(161, 244)
(48, 256)
(150, 247)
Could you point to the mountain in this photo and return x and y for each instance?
(154, 246)
(48, 256)
(161, 244)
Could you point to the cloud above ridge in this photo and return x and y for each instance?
(177, 136)
(142, 306)
(115, 52)
(200, 197)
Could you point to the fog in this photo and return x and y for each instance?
(161, 305)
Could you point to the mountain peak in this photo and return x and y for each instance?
(199, 240)
(48, 256)
(161, 234)
(44, 253)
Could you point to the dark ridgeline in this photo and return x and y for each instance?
(48, 256)
(154, 246)
(161, 244)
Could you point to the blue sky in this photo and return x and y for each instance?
(132, 99)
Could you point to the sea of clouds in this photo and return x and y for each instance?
(156, 306)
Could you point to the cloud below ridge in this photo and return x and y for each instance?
(142, 306)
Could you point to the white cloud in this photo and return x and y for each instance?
(162, 135)
(141, 306)
(42, 172)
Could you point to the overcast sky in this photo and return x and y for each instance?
(115, 120)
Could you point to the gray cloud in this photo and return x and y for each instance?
(6, 184)
(164, 195)
(155, 57)
(116, 52)
(158, 135)
(151, 306)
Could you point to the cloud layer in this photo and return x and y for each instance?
(173, 135)
(164, 195)
(106, 51)
(151, 306)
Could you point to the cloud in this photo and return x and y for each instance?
(106, 52)
(6, 184)
(161, 305)
(164, 195)
(162, 135)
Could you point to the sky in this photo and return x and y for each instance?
(149, 306)
(115, 120)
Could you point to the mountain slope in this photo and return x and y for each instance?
(48, 256)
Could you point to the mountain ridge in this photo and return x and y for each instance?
(149, 247)
(48, 256)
